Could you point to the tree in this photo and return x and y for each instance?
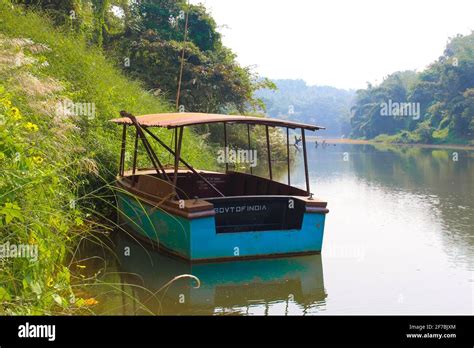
(151, 35)
(443, 91)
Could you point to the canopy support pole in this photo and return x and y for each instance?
(177, 149)
(122, 151)
(154, 159)
(305, 157)
(135, 156)
(248, 137)
(268, 153)
(184, 162)
(225, 148)
(151, 154)
(288, 153)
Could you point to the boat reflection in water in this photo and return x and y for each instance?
(277, 286)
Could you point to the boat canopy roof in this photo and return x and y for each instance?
(179, 119)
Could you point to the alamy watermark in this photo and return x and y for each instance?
(28, 251)
(69, 108)
(28, 330)
(237, 156)
(400, 109)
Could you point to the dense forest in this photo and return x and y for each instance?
(435, 105)
(321, 105)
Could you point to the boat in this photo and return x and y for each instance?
(204, 216)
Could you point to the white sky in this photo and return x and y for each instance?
(341, 43)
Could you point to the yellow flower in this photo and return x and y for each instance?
(32, 239)
(31, 126)
(90, 301)
(50, 282)
(6, 103)
(38, 159)
(15, 113)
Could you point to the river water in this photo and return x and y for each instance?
(399, 239)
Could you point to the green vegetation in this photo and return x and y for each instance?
(212, 80)
(439, 101)
(146, 38)
(54, 164)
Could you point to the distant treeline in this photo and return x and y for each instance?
(321, 105)
(432, 106)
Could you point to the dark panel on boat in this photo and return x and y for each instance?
(232, 184)
(241, 214)
(251, 185)
(262, 188)
(193, 186)
(241, 184)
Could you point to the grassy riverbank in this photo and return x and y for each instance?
(54, 165)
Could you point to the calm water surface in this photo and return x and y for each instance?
(399, 238)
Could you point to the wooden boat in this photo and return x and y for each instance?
(203, 215)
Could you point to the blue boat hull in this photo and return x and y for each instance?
(199, 239)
